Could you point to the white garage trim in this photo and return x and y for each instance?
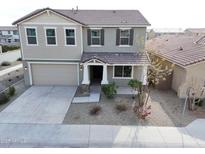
(57, 63)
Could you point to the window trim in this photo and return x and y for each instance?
(45, 28)
(95, 45)
(65, 43)
(32, 27)
(132, 72)
(124, 45)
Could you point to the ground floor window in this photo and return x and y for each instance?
(122, 71)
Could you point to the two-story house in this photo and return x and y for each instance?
(73, 47)
(9, 35)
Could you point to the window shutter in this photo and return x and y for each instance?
(118, 37)
(102, 36)
(89, 36)
(131, 36)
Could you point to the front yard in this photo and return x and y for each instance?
(166, 111)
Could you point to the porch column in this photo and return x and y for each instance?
(104, 77)
(144, 75)
(85, 75)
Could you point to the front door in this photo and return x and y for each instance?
(96, 74)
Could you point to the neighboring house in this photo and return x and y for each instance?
(195, 31)
(73, 47)
(155, 32)
(188, 55)
(9, 35)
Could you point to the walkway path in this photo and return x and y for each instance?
(48, 135)
(10, 69)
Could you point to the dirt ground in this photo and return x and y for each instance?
(166, 110)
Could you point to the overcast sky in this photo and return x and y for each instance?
(160, 13)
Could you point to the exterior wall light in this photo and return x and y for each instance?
(81, 67)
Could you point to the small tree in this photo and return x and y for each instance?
(135, 85)
(158, 70)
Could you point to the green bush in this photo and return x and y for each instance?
(6, 48)
(134, 84)
(4, 98)
(5, 63)
(109, 90)
(11, 91)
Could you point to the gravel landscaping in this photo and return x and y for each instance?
(10, 78)
(166, 111)
(20, 88)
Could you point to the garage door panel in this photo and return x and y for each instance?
(54, 74)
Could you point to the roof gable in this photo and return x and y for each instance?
(45, 15)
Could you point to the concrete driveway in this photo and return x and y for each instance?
(40, 104)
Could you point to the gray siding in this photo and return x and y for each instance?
(51, 52)
(123, 82)
(26, 73)
(110, 41)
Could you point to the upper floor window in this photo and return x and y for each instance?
(122, 71)
(31, 36)
(95, 37)
(70, 36)
(124, 37)
(51, 36)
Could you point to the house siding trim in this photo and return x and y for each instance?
(22, 55)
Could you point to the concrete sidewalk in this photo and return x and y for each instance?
(48, 135)
(10, 69)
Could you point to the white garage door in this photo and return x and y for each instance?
(54, 74)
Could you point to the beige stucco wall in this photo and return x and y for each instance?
(178, 78)
(195, 77)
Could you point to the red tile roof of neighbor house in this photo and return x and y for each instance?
(96, 17)
(182, 50)
(117, 58)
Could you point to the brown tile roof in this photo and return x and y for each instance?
(97, 17)
(182, 50)
(116, 58)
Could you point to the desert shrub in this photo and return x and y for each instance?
(95, 110)
(5, 63)
(11, 91)
(4, 98)
(19, 59)
(121, 107)
(109, 90)
(6, 48)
